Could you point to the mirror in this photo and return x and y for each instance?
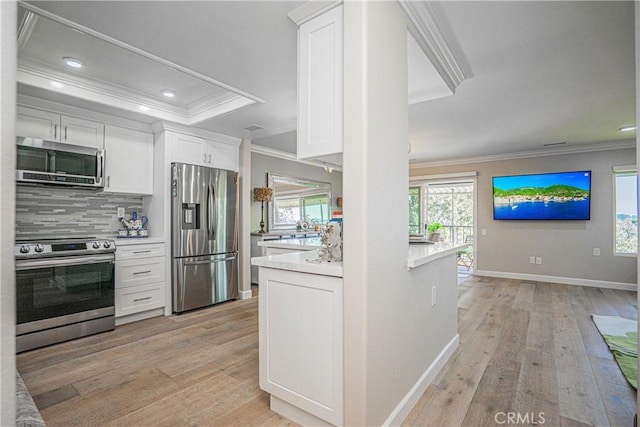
(296, 200)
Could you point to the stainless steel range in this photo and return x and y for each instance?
(64, 290)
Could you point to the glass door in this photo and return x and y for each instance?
(49, 288)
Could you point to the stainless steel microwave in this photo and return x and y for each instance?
(51, 162)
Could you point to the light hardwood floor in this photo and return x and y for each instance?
(524, 347)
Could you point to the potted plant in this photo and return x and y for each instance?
(434, 232)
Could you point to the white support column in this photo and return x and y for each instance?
(245, 219)
(375, 188)
(8, 18)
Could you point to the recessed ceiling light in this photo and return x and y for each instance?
(73, 62)
(57, 85)
(627, 128)
(143, 108)
(168, 93)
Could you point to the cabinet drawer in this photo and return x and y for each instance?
(139, 251)
(135, 299)
(137, 272)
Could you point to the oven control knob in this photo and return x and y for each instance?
(107, 245)
(24, 249)
(39, 248)
(96, 245)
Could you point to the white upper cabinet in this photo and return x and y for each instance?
(204, 152)
(128, 161)
(81, 132)
(189, 149)
(320, 85)
(41, 124)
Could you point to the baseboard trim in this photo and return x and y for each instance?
(563, 280)
(246, 294)
(405, 406)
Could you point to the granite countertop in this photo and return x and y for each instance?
(297, 261)
(421, 254)
(303, 244)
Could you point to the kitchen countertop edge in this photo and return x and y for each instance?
(297, 261)
(128, 241)
(424, 254)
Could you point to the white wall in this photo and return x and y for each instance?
(565, 246)
(391, 332)
(8, 19)
(261, 165)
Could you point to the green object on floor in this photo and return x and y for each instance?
(621, 336)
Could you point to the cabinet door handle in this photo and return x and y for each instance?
(65, 133)
(141, 299)
(55, 131)
(141, 272)
(109, 181)
(205, 157)
(209, 158)
(142, 252)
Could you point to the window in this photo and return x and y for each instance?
(626, 211)
(451, 205)
(415, 220)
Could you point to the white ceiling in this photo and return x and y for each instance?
(540, 72)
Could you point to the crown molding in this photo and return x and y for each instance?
(575, 149)
(310, 10)
(266, 151)
(45, 104)
(25, 29)
(216, 107)
(425, 30)
(31, 73)
(164, 126)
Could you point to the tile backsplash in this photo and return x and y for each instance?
(69, 212)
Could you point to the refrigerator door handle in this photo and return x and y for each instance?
(210, 261)
(210, 212)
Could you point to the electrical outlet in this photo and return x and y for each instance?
(596, 251)
(120, 212)
(483, 231)
(539, 260)
(532, 260)
(433, 296)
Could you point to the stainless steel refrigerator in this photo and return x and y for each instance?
(204, 228)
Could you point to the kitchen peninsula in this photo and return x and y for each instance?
(301, 324)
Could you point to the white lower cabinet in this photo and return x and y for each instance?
(300, 345)
(140, 282)
(135, 299)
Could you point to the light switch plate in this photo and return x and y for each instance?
(120, 212)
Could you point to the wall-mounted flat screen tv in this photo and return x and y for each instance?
(545, 196)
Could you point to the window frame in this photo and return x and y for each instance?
(620, 171)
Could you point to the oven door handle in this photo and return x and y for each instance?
(57, 262)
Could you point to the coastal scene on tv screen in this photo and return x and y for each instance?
(549, 196)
